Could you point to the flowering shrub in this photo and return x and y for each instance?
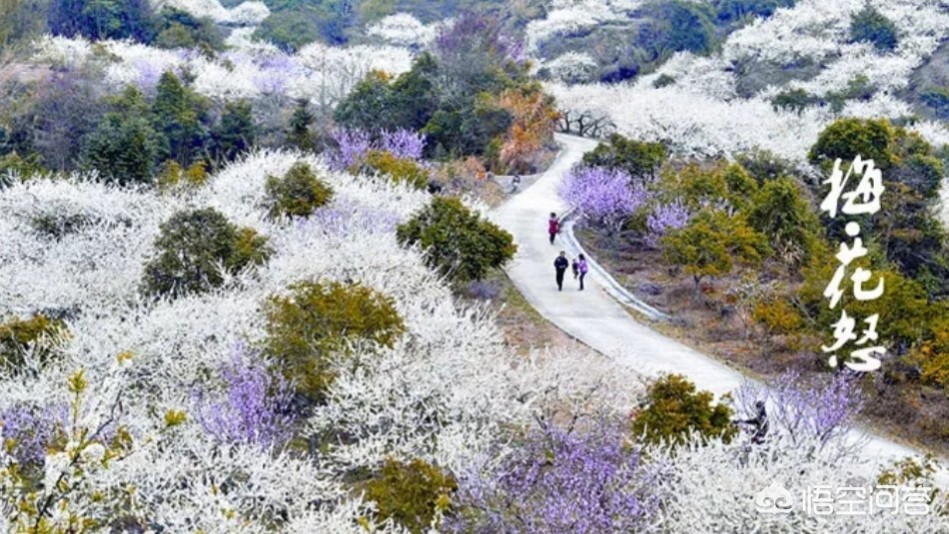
(402, 143)
(196, 248)
(28, 431)
(604, 196)
(560, 481)
(821, 410)
(298, 193)
(254, 410)
(444, 391)
(354, 146)
(663, 218)
(351, 147)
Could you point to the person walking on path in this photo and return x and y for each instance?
(576, 268)
(553, 226)
(583, 268)
(560, 265)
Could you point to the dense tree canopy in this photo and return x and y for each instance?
(457, 242)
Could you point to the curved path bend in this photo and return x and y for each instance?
(593, 316)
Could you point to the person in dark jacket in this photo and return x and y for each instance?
(560, 265)
(759, 422)
(553, 226)
(575, 265)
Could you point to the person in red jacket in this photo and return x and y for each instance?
(553, 226)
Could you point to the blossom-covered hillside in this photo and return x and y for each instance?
(248, 282)
(722, 102)
(445, 391)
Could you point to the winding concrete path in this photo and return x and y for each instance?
(593, 316)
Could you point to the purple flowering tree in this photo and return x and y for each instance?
(31, 429)
(822, 408)
(351, 146)
(604, 196)
(558, 481)
(665, 217)
(403, 144)
(255, 408)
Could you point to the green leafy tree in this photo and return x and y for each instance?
(236, 132)
(23, 168)
(178, 29)
(181, 116)
(378, 103)
(456, 241)
(101, 19)
(701, 185)
(18, 337)
(293, 24)
(194, 247)
(738, 10)
(921, 172)
(869, 25)
(673, 409)
(289, 29)
(711, 243)
(410, 493)
(640, 159)
(796, 100)
(19, 23)
(367, 107)
(467, 130)
(780, 212)
(936, 98)
(298, 193)
(299, 134)
(684, 25)
(398, 170)
(318, 323)
(764, 165)
(847, 138)
(415, 97)
(122, 149)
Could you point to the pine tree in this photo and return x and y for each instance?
(181, 116)
(236, 132)
(299, 134)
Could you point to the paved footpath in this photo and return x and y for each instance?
(593, 316)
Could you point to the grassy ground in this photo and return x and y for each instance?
(712, 321)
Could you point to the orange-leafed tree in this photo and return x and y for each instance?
(535, 118)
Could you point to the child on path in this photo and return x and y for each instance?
(583, 268)
(553, 226)
(576, 268)
(560, 265)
